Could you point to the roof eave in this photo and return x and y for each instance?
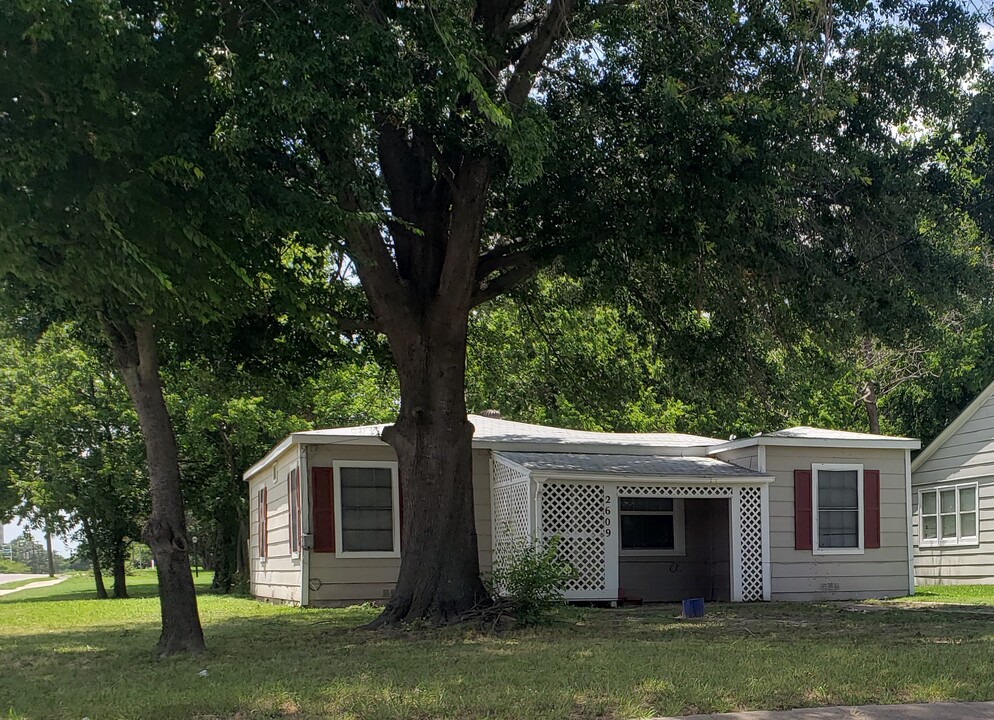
(591, 448)
(953, 427)
(540, 475)
(853, 443)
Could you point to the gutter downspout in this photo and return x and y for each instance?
(911, 539)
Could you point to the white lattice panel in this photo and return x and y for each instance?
(751, 532)
(504, 473)
(676, 491)
(579, 514)
(511, 510)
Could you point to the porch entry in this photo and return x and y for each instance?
(658, 539)
(674, 548)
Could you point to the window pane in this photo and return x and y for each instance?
(646, 504)
(367, 540)
(367, 509)
(949, 526)
(838, 489)
(967, 499)
(930, 527)
(928, 503)
(838, 528)
(647, 532)
(968, 524)
(947, 501)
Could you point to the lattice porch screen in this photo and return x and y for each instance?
(580, 514)
(511, 513)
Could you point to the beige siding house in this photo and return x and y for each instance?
(953, 495)
(799, 514)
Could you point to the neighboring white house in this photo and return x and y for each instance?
(797, 514)
(953, 483)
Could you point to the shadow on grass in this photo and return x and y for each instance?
(593, 663)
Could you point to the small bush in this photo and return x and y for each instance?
(532, 581)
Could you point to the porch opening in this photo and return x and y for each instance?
(674, 548)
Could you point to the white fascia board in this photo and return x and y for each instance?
(953, 427)
(269, 457)
(683, 480)
(590, 448)
(310, 438)
(856, 444)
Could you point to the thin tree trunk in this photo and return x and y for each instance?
(868, 393)
(91, 544)
(227, 517)
(135, 351)
(120, 571)
(243, 540)
(869, 399)
(440, 573)
(48, 548)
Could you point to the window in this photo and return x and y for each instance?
(651, 526)
(837, 508)
(262, 520)
(948, 516)
(366, 505)
(293, 493)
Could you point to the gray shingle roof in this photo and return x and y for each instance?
(655, 465)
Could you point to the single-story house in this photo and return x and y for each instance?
(799, 514)
(953, 484)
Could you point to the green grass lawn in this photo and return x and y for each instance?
(955, 594)
(68, 656)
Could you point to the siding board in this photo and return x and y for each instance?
(966, 456)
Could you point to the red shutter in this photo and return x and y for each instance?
(802, 509)
(323, 509)
(871, 508)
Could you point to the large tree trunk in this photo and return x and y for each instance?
(134, 347)
(91, 545)
(120, 570)
(440, 572)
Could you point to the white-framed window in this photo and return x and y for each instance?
(262, 520)
(651, 526)
(948, 515)
(837, 508)
(367, 509)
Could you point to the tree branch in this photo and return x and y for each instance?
(537, 49)
(489, 289)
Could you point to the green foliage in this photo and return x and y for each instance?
(532, 579)
(14, 566)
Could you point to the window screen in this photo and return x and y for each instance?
(367, 509)
(838, 509)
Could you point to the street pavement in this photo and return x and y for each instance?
(927, 711)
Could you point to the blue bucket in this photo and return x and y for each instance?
(693, 608)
